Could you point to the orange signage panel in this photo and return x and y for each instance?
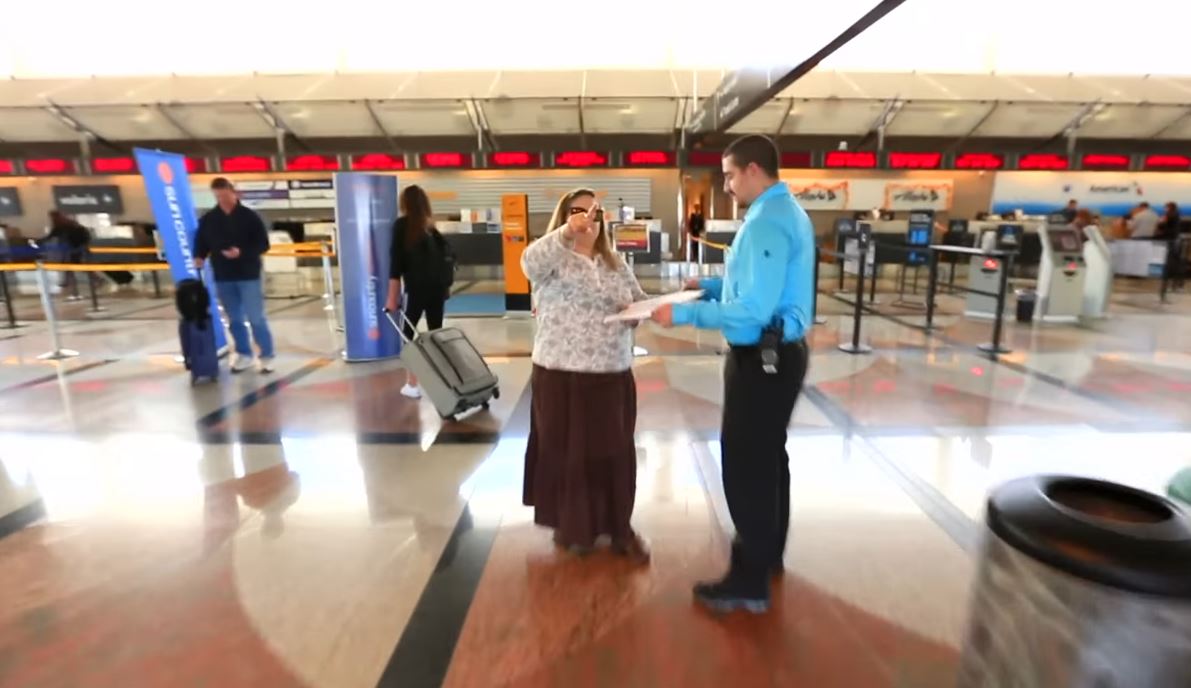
(514, 230)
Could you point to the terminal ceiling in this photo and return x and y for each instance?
(986, 71)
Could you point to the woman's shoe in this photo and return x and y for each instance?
(577, 550)
(411, 391)
(633, 549)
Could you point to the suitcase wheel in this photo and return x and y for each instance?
(486, 406)
(452, 418)
(495, 394)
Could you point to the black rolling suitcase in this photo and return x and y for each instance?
(196, 330)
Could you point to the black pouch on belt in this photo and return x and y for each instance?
(771, 342)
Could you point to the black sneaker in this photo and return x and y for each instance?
(728, 596)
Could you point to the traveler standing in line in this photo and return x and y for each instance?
(1169, 229)
(695, 226)
(234, 238)
(74, 240)
(581, 462)
(421, 262)
(763, 307)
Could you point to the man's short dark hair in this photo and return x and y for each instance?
(221, 184)
(758, 149)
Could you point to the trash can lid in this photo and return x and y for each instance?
(1096, 530)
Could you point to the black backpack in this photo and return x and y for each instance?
(433, 262)
(193, 301)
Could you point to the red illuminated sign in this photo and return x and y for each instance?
(49, 166)
(581, 159)
(1043, 161)
(915, 161)
(246, 163)
(196, 165)
(979, 161)
(649, 159)
(862, 159)
(801, 159)
(1100, 161)
(515, 159)
(312, 163)
(7, 167)
(700, 158)
(375, 162)
(113, 165)
(1167, 162)
(445, 160)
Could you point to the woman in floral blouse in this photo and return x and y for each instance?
(581, 463)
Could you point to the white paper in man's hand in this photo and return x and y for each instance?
(641, 310)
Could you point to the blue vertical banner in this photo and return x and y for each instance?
(365, 209)
(167, 184)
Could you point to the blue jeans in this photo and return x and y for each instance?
(244, 303)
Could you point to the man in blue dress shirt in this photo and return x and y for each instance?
(763, 307)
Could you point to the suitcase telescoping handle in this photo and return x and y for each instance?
(400, 330)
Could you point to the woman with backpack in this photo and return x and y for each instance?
(422, 265)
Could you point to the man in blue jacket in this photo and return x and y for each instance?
(234, 238)
(763, 307)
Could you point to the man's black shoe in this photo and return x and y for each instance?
(728, 596)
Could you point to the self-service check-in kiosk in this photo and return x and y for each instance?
(984, 272)
(1061, 274)
(1097, 287)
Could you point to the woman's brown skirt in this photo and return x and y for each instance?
(581, 463)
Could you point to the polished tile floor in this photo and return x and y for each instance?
(315, 528)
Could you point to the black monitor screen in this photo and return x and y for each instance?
(1009, 236)
(845, 225)
(1065, 241)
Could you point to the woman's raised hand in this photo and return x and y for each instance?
(581, 224)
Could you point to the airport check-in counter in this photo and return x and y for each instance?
(476, 244)
(1138, 257)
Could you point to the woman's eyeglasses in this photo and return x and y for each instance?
(576, 210)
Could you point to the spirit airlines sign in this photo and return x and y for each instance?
(168, 188)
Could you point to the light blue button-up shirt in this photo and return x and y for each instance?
(768, 273)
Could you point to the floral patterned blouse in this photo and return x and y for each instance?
(574, 293)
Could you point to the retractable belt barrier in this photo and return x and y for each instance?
(857, 303)
(1005, 258)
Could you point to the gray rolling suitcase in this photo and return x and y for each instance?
(452, 372)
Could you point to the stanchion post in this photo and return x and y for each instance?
(994, 347)
(855, 347)
(95, 307)
(47, 304)
(156, 285)
(815, 319)
(329, 284)
(872, 289)
(12, 316)
(931, 289)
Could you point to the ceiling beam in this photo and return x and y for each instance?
(1179, 119)
(169, 117)
(785, 116)
(83, 130)
(484, 126)
(380, 126)
(976, 127)
(281, 130)
(579, 105)
(741, 92)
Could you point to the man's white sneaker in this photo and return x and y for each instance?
(267, 365)
(241, 364)
(411, 391)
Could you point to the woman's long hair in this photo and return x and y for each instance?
(415, 208)
(603, 243)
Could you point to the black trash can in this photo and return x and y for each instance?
(1026, 301)
(1082, 584)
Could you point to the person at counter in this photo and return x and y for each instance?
(421, 261)
(1143, 222)
(73, 240)
(234, 238)
(695, 226)
(763, 310)
(1169, 229)
(581, 460)
(1071, 210)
